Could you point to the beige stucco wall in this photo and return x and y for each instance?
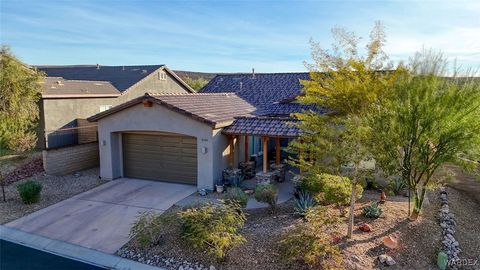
(160, 119)
(56, 113)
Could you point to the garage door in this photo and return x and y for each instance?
(171, 158)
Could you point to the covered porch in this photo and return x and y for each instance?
(271, 130)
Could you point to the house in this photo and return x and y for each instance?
(192, 138)
(73, 93)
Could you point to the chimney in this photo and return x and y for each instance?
(253, 73)
(98, 66)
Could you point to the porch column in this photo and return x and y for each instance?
(277, 151)
(231, 156)
(247, 148)
(265, 154)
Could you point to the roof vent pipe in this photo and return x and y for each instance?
(123, 67)
(253, 73)
(241, 85)
(98, 66)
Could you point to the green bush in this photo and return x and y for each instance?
(312, 183)
(372, 211)
(338, 189)
(29, 191)
(237, 195)
(267, 193)
(213, 227)
(148, 228)
(311, 242)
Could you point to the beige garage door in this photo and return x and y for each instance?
(171, 158)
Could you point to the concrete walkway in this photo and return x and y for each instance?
(101, 218)
(285, 193)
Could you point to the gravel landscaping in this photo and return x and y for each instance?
(419, 241)
(55, 189)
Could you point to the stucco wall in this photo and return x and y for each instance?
(70, 159)
(58, 113)
(156, 119)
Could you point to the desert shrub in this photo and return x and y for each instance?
(213, 227)
(267, 193)
(338, 189)
(148, 228)
(312, 183)
(396, 186)
(29, 191)
(312, 242)
(304, 202)
(237, 195)
(372, 211)
(330, 188)
(235, 180)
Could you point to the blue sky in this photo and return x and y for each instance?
(228, 36)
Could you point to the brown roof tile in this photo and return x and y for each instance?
(263, 126)
(57, 87)
(216, 109)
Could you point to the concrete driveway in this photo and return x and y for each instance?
(101, 218)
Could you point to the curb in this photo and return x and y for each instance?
(71, 251)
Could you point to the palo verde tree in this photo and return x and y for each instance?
(19, 92)
(343, 86)
(428, 119)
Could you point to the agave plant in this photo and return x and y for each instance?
(372, 211)
(304, 202)
(397, 185)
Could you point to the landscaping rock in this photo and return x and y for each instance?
(382, 258)
(386, 260)
(390, 261)
(365, 227)
(247, 169)
(390, 242)
(26, 170)
(265, 178)
(278, 171)
(450, 247)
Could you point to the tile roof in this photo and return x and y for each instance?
(263, 126)
(262, 90)
(121, 77)
(217, 109)
(57, 87)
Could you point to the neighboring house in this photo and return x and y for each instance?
(192, 138)
(74, 93)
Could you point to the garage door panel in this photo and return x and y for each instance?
(160, 157)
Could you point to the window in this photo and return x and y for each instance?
(105, 107)
(162, 76)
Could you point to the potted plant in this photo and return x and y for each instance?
(219, 187)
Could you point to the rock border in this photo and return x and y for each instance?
(160, 261)
(450, 245)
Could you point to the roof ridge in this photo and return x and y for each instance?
(262, 73)
(268, 118)
(94, 65)
(154, 94)
(79, 80)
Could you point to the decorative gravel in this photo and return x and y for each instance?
(55, 189)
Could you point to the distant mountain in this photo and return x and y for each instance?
(194, 75)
